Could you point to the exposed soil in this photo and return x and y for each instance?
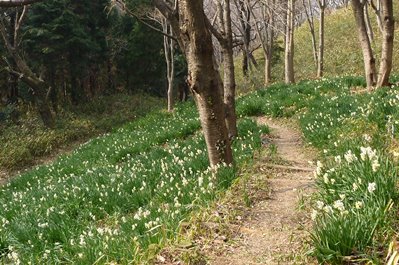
(275, 230)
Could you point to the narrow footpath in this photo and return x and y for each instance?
(277, 230)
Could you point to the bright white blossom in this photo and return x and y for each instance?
(372, 187)
(339, 205)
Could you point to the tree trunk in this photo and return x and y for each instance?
(289, 44)
(169, 51)
(245, 16)
(377, 10)
(229, 91)
(229, 75)
(369, 28)
(204, 80)
(12, 96)
(53, 91)
(310, 20)
(39, 87)
(388, 26)
(368, 56)
(320, 64)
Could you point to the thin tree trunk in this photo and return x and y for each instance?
(376, 6)
(370, 32)
(320, 64)
(368, 56)
(170, 66)
(388, 24)
(266, 36)
(12, 89)
(229, 75)
(310, 20)
(289, 44)
(245, 17)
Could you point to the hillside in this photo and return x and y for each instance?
(342, 51)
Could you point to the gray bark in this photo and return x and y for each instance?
(368, 55)
(190, 26)
(289, 44)
(388, 29)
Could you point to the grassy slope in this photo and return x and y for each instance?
(352, 210)
(117, 197)
(342, 51)
(23, 143)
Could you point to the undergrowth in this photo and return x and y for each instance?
(356, 132)
(117, 198)
(28, 140)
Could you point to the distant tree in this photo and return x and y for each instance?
(289, 43)
(322, 9)
(20, 68)
(265, 26)
(310, 15)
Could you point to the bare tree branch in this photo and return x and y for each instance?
(16, 3)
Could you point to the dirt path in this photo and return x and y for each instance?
(276, 229)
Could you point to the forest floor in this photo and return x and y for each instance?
(276, 228)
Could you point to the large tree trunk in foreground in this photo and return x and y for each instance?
(204, 80)
(368, 56)
(388, 28)
(289, 44)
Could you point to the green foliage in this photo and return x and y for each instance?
(357, 130)
(118, 197)
(355, 195)
(138, 55)
(25, 142)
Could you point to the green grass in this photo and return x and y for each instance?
(23, 143)
(357, 135)
(119, 197)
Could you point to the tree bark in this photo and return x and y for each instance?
(368, 56)
(17, 3)
(289, 44)
(39, 87)
(229, 74)
(310, 20)
(169, 51)
(191, 28)
(265, 34)
(320, 63)
(376, 6)
(369, 28)
(388, 28)
(245, 17)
